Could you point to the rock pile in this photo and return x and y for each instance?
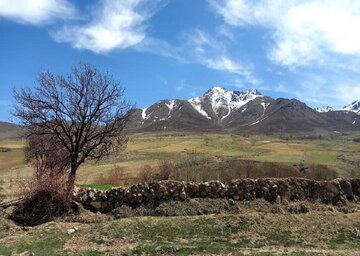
(272, 190)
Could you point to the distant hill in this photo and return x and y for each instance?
(219, 109)
(10, 131)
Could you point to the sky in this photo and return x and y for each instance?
(166, 49)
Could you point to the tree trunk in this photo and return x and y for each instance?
(71, 183)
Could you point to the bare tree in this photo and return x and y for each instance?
(45, 154)
(81, 116)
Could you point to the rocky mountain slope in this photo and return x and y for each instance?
(353, 107)
(219, 109)
(250, 111)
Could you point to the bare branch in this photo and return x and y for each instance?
(74, 118)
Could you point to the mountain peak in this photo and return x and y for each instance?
(249, 110)
(252, 92)
(324, 109)
(216, 89)
(222, 90)
(222, 102)
(355, 106)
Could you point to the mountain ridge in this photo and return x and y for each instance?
(249, 110)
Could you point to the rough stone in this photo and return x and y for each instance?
(236, 197)
(330, 186)
(272, 190)
(96, 204)
(71, 231)
(278, 199)
(183, 195)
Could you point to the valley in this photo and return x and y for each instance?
(197, 152)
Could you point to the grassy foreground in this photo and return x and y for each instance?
(249, 233)
(257, 230)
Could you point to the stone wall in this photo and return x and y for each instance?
(273, 190)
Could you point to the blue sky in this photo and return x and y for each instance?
(163, 49)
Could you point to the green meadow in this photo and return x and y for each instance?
(340, 153)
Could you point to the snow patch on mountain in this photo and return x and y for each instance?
(264, 105)
(354, 107)
(324, 109)
(196, 103)
(143, 113)
(170, 105)
(256, 122)
(223, 102)
(232, 100)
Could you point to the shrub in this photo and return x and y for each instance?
(166, 170)
(238, 169)
(40, 207)
(356, 140)
(146, 174)
(321, 172)
(114, 177)
(46, 197)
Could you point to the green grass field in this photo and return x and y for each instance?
(149, 149)
(341, 154)
(257, 230)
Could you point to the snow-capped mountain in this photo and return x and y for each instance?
(324, 109)
(220, 103)
(354, 107)
(250, 111)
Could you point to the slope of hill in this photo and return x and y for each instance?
(354, 107)
(10, 131)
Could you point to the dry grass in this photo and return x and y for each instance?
(340, 155)
(115, 177)
(260, 229)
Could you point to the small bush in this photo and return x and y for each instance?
(146, 174)
(356, 140)
(114, 177)
(227, 171)
(321, 172)
(165, 170)
(45, 198)
(239, 169)
(40, 207)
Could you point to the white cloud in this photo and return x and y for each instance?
(36, 12)
(198, 47)
(345, 93)
(115, 24)
(226, 32)
(304, 32)
(211, 53)
(162, 48)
